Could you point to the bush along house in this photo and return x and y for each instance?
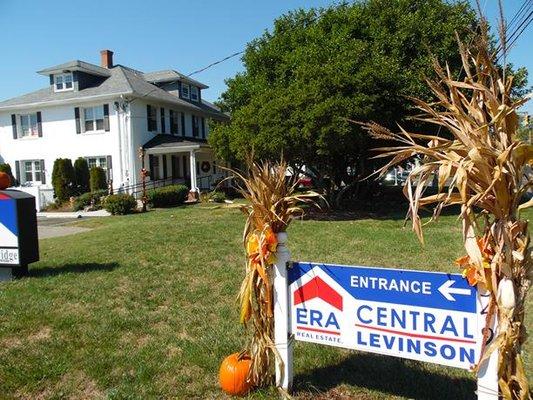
(105, 114)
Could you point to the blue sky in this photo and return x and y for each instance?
(155, 35)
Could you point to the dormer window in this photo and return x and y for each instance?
(184, 91)
(63, 82)
(194, 93)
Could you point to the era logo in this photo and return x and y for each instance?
(312, 318)
(316, 318)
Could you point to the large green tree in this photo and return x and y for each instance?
(318, 69)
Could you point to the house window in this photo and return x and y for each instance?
(194, 93)
(185, 91)
(63, 82)
(93, 118)
(195, 126)
(28, 125)
(32, 171)
(97, 162)
(152, 118)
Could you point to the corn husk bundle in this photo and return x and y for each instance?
(273, 203)
(482, 168)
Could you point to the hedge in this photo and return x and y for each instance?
(63, 179)
(120, 204)
(97, 179)
(81, 172)
(88, 199)
(167, 196)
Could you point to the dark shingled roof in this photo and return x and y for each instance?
(170, 75)
(121, 81)
(162, 141)
(76, 65)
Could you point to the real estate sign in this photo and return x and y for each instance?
(9, 243)
(426, 316)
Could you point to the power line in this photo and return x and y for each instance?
(525, 4)
(515, 35)
(519, 19)
(216, 63)
(192, 73)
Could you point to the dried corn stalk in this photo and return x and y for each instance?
(273, 203)
(483, 169)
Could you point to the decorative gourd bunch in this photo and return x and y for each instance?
(272, 204)
(482, 168)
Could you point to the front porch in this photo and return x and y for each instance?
(174, 160)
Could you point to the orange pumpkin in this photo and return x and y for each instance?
(5, 181)
(234, 372)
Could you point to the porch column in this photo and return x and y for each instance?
(192, 170)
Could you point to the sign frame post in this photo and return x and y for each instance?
(487, 376)
(282, 339)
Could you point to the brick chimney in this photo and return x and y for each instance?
(106, 59)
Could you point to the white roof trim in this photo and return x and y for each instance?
(74, 100)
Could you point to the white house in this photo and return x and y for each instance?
(106, 114)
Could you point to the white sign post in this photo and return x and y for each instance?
(426, 316)
(487, 379)
(282, 337)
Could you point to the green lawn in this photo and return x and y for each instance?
(144, 306)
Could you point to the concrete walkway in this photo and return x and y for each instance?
(46, 232)
(74, 214)
(49, 227)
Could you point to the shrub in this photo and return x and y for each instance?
(63, 179)
(167, 196)
(88, 199)
(97, 179)
(81, 173)
(7, 169)
(120, 204)
(218, 197)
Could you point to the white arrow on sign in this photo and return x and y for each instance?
(446, 290)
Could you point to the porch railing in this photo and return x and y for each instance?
(136, 190)
(204, 183)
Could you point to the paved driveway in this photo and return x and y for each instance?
(55, 227)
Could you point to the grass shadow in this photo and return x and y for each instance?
(394, 376)
(78, 268)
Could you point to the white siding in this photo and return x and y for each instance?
(59, 139)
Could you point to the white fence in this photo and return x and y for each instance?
(43, 195)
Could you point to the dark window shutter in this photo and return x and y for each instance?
(179, 88)
(43, 173)
(51, 80)
(203, 127)
(109, 168)
(164, 161)
(14, 125)
(17, 172)
(148, 113)
(77, 117)
(163, 125)
(182, 124)
(171, 120)
(151, 165)
(184, 166)
(39, 124)
(194, 121)
(106, 117)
